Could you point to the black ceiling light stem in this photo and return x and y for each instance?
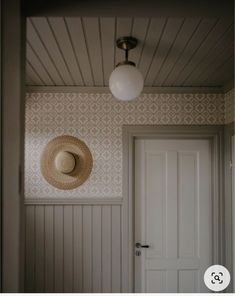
(126, 43)
(126, 55)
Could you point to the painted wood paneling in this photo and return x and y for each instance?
(63, 39)
(92, 35)
(123, 28)
(198, 37)
(97, 249)
(78, 249)
(81, 51)
(215, 35)
(183, 37)
(226, 66)
(218, 63)
(33, 75)
(36, 63)
(49, 250)
(87, 249)
(68, 248)
(116, 246)
(170, 33)
(73, 248)
(58, 249)
(139, 31)
(107, 27)
(106, 249)
(211, 57)
(48, 39)
(80, 47)
(155, 31)
(30, 249)
(36, 43)
(39, 248)
(29, 80)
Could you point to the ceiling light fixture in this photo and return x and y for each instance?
(126, 82)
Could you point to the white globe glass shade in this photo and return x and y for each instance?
(126, 82)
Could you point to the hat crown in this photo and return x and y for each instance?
(65, 162)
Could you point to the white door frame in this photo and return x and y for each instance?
(212, 133)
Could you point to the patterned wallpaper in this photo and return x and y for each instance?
(97, 119)
(229, 99)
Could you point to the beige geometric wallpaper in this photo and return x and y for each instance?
(97, 119)
(229, 99)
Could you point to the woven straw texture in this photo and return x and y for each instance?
(83, 165)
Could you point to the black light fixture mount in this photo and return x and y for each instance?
(126, 43)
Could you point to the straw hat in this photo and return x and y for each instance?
(66, 162)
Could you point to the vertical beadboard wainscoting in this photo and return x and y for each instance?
(73, 247)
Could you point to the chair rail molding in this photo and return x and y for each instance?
(74, 201)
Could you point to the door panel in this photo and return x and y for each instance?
(173, 215)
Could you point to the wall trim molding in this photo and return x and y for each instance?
(99, 90)
(228, 202)
(74, 201)
(130, 133)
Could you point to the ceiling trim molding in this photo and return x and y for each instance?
(122, 8)
(99, 90)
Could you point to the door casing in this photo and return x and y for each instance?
(214, 133)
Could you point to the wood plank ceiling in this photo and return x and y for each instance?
(172, 52)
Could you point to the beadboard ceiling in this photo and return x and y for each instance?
(172, 52)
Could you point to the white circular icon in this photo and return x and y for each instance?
(217, 278)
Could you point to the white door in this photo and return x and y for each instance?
(173, 215)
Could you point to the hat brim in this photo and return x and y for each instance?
(83, 159)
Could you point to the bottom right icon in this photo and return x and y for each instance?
(217, 278)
